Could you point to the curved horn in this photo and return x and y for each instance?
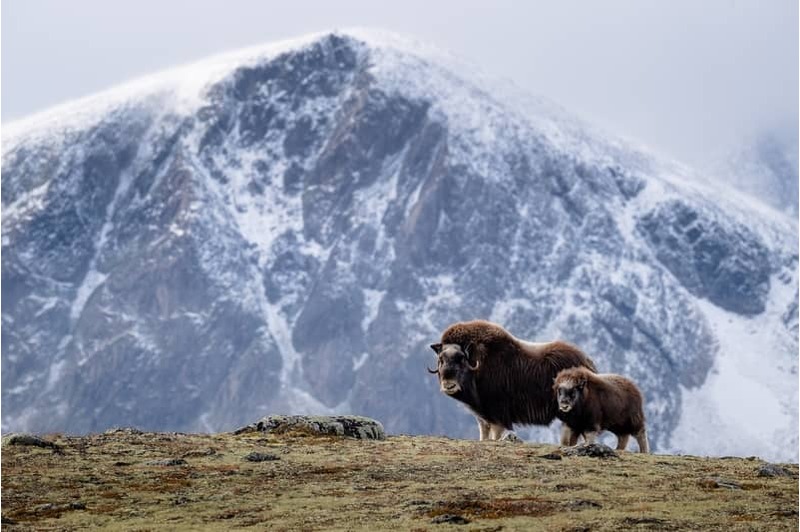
(434, 371)
(466, 354)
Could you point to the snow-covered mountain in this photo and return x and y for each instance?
(287, 228)
(764, 165)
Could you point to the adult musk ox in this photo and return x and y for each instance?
(502, 379)
(589, 403)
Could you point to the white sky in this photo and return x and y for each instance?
(685, 77)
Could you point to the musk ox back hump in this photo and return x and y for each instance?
(477, 332)
(561, 355)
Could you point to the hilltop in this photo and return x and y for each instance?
(129, 480)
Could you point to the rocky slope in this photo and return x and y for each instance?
(286, 229)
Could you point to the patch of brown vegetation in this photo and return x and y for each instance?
(45, 511)
(331, 470)
(494, 508)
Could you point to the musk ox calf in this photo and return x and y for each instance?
(503, 380)
(589, 403)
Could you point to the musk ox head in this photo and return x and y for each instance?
(569, 391)
(454, 367)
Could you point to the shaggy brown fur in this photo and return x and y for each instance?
(590, 403)
(513, 379)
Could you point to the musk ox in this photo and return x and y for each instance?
(589, 403)
(501, 379)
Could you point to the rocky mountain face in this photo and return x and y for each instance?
(291, 232)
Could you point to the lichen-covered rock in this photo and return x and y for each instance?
(123, 430)
(716, 482)
(452, 519)
(596, 450)
(261, 457)
(167, 462)
(582, 504)
(772, 470)
(358, 427)
(29, 440)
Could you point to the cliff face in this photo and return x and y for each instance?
(292, 235)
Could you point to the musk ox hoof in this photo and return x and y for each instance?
(512, 437)
(596, 450)
(358, 427)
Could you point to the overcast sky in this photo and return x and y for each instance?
(684, 77)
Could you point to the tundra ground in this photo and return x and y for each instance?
(125, 480)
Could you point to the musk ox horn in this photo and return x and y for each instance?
(434, 371)
(466, 354)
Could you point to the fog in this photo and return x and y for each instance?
(686, 78)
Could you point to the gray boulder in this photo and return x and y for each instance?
(358, 427)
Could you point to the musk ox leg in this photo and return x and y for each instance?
(590, 436)
(568, 438)
(641, 439)
(483, 429)
(622, 441)
(496, 431)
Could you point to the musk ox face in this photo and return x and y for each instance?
(569, 393)
(454, 368)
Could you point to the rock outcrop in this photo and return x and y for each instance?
(358, 427)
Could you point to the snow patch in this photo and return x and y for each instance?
(55, 373)
(176, 230)
(748, 403)
(372, 300)
(25, 206)
(360, 361)
(91, 282)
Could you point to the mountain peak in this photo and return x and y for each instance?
(396, 62)
(288, 227)
(182, 85)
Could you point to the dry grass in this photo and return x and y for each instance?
(405, 483)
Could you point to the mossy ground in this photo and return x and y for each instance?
(403, 483)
